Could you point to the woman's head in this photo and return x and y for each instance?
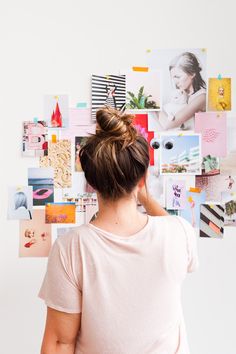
(20, 200)
(116, 158)
(185, 71)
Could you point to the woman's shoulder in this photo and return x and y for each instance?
(201, 91)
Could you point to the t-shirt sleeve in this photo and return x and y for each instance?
(191, 245)
(60, 288)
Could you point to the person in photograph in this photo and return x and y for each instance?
(21, 210)
(120, 275)
(188, 97)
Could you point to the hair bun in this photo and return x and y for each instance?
(116, 126)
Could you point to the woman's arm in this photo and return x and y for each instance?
(61, 331)
(151, 206)
(184, 114)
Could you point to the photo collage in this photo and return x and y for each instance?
(181, 112)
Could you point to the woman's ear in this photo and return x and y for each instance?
(143, 180)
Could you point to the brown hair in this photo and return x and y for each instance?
(116, 157)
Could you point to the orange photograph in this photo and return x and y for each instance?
(219, 94)
(62, 213)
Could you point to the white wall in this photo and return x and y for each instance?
(50, 46)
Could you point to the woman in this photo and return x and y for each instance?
(186, 77)
(113, 285)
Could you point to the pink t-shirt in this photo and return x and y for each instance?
(128, 288)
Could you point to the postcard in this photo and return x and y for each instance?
(211, 220)
(143, 90)
(108, 90)
(192, 210)
(219, 94)
(213, 127)
(214, 185)
(34, 139)
(141, 124)
(229, 201)
(35, 236)
(180, 154)
(56, 110)
(175, 194)
(41, 179)
(20, 202)
(60, 213)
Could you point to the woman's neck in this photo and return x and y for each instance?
(119, 216)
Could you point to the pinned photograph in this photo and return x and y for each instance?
(194, 198)
(211, 220)
(210, 166)
(63, 213)
(143, 90)
(214, 185)
(184, 86)
(59, 158)
(219, 94)
(180, 154)
(56, 110)
(108, 90)
(34, 139)
(79, 142)
(229, 200)
(35, 236)
(41, 179)
(175, 194)
(20, 203)
(213, 128)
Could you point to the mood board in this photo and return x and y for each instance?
(181, 112)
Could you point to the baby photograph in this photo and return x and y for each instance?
(184, 86)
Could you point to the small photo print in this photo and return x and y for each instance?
(229, 200)
(211, 220)
(41, 179)
(79, 142)
(59, 157)
(180, 154)
(20, 203)
(192, 210)
(35, 139)
(176, 194)
(107, 90)
(210, 166)
(35, 236)
(214, 185)
(56, 110)
(143, 91)
(219, 94)
(183, 86)
(63, 213)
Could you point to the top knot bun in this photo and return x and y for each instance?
(115, 126)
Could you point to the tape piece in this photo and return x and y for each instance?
(140, 68)
(35, 120)
(54, 138)
(195, 190)
(219, 77)
(81, 105)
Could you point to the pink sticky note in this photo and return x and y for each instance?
(80, 116)
(213, 127)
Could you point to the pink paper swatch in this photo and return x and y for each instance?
(212, 126)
